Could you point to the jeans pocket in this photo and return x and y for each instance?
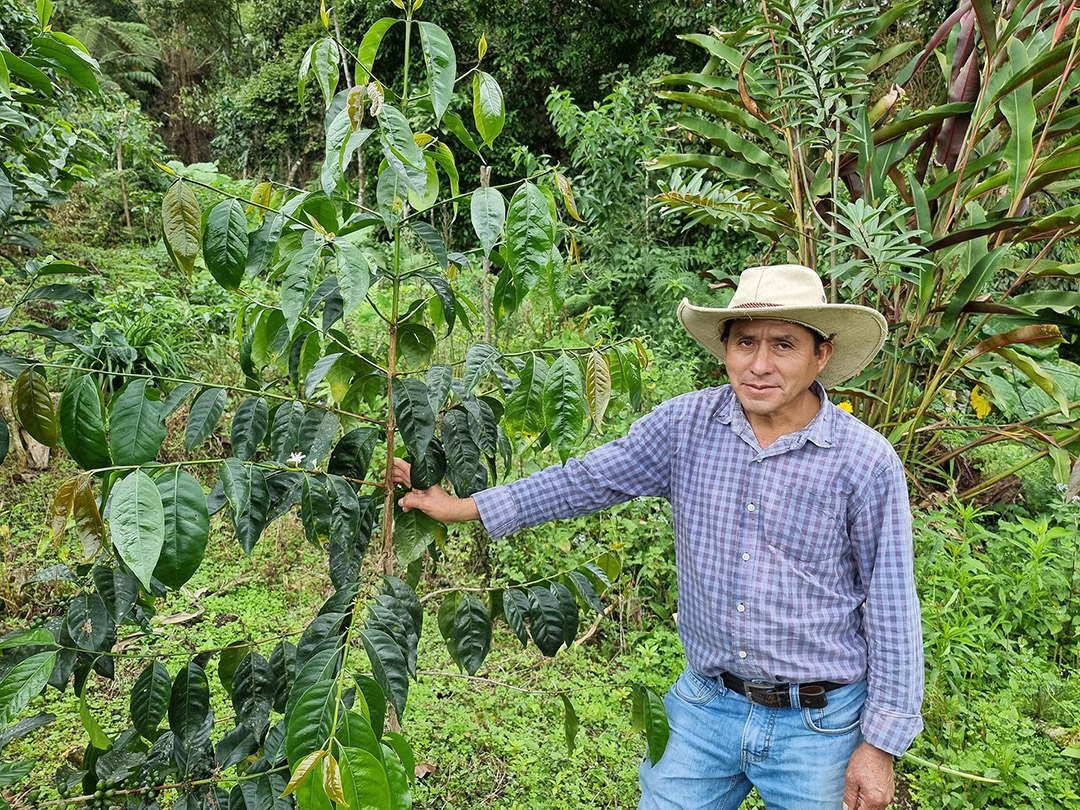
(696, 689)
(842, 714)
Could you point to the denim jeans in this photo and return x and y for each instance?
(722, 745)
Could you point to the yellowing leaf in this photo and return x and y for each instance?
(979, 403)
(568, 196)
(324, 16)
(331, 779)
(376, 96)
(422, 139)
(355, 103)
(597, 387)
(303, 770)
(481, 48)
(260, 197)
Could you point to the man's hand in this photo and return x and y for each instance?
(433, 501)
(869, 784)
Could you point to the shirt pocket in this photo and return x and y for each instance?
(805, 525)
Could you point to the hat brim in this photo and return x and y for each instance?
(858, 333)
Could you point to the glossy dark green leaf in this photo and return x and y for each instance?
(415, 344)
(285, 434)
(428, 471)
(253, 693)
(441, 65)
(525, 406)
(569, 607)
(354, 274)
(351, 456)
(249, 427)
(262, 243)
(350, 531)
(150, 698)
(452, 121)
(530, 235)
(434, 241)
(570, 724)
(403, 751)
(583, 587)
(315, 509)
(82, 423)
(187, 527)
(318, 429)
(479, 361)
(446, 296)
(283, 663)
(374, 701)
(439, 381)
(136, 424)
(399, 779)
(225, 243)
(364, 782)
(388, 667)
(249, 500)
(545, 620)
(397, 594)
(5, 439)
(310, 721)
(648, 715)
(462, 450)
(229, 659)
(515, 608)
(488, 108)
(137, 524)
(564, 405)
(205, 413)
(412, 413)
(414, 531)
(487, 209)
(472, 633)
(87, 621)
(22, 682)
(33, 406)
(117, 589)
(189, 703)
(296, 285)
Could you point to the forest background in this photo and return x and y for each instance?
(253, 322)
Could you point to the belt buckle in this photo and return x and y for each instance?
(761, 694)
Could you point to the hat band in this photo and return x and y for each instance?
(753, 305)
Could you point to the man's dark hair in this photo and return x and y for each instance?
(818, 337)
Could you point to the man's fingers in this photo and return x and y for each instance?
(851, 795)
(402, 472)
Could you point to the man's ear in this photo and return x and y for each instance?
(824, 354)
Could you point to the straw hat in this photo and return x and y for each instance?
(791, 292)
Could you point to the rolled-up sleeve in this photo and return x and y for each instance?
(891, 620)
(638, 464)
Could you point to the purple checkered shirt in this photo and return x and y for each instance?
(794, 562)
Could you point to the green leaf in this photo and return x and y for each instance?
(249, 500)
(189, 703)
(479, 361)
(515, 607)
(150, 699)
(648, 714)
(1019, 110)
(487, 209)
(26, 638)
(137, 524)
(22, 682)
(117, 590)
(317, 433)
(82, 423)
(447, 299)
(525, 406)
(414, 531)
(399, 779)
(253, 693)
(285, 435)
(87, 621)
(363, 780)
(597, 387)
(5, 437)
(452, 121)
(412, 414)
(400, 150)
(310, 721)
(225, 243)
(171, 404)
(354, 274)
(369, 46)
(388, 667)
(488, 110)
(564, 405)
(94, 731)
(262, 244)
(296, 286)
(12, 772)
(569, 607)
(441, 64)
(136, 424)
(530, 235)
(33, 406)
(415, 344)
(403, 751)
(187, 527)
(205, 413)
(352, 455)
(570, 724)
(181, 222)
(324, 61)
(545, 620)
(249, 427)
(462, 450)
(582, 585)
(316, 511)
(88, 523)
(228, 660)
(472, 633)
(433, 240)
(374, 702)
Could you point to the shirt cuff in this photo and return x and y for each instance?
(890, 731)
(498, 512)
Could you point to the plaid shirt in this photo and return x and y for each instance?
(794, 562)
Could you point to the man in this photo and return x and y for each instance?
(798, 612)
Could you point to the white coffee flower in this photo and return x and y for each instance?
(295, 459)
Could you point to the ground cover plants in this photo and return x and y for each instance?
(209, 597)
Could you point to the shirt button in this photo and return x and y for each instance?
(742, 653)
(750, 507)
(741, 608)
(746, 555)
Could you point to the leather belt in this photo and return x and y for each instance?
(778, 695)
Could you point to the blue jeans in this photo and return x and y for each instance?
(722, 745)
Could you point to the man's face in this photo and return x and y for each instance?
(771, 365)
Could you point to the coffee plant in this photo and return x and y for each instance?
(315, 425)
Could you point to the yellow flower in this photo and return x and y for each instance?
(846, 406)
(979, 403)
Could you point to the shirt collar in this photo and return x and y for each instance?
(819, 431)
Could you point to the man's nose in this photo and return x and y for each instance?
(761, 362)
